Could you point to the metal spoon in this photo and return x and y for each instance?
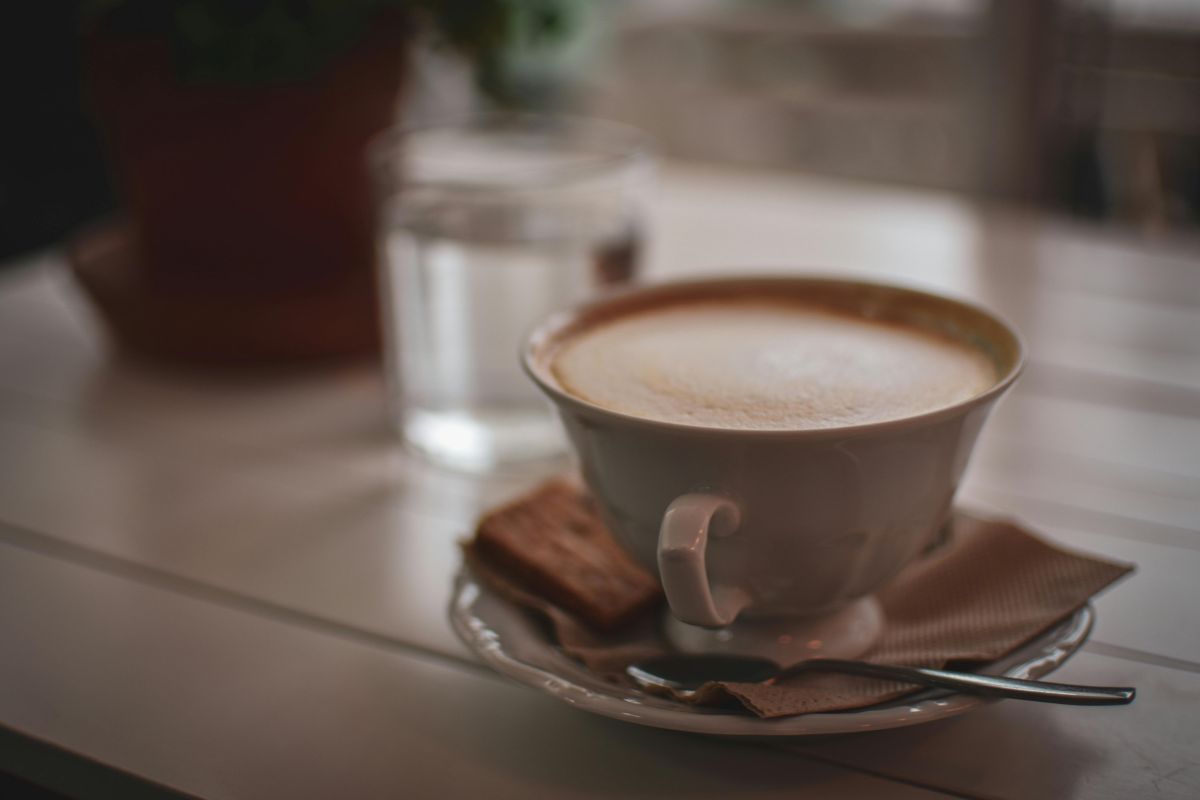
(686, 673)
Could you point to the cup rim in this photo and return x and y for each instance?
(628, 147)
(544, 333)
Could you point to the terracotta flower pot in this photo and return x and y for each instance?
(249, 235)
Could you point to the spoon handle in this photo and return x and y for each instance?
(1040, 691)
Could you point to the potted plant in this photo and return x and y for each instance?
(235, 130)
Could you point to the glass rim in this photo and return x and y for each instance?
(617, 146)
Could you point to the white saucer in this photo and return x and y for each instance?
(515, 644)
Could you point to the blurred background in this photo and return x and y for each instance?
(1088, 108)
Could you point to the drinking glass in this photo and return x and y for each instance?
(486, 227)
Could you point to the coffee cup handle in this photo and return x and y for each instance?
(682, 559)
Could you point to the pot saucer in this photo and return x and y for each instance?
(515, 644)
(219, 322)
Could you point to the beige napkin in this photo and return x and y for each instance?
(992, 587)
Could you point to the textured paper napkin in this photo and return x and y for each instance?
(989, 589)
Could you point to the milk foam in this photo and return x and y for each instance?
(767, 366)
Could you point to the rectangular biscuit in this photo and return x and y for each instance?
(553, 543)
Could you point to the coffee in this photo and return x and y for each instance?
(764, 364)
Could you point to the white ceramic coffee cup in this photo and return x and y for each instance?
(788, 532)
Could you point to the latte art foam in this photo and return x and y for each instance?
(767, 366)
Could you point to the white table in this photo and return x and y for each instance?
(238, 589)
